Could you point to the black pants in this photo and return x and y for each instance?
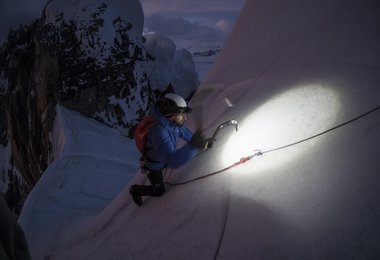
(157, 187)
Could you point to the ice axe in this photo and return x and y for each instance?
(210, 141)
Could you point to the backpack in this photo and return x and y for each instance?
(141, 133)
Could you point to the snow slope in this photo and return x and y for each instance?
(91, 166)
(290, 70)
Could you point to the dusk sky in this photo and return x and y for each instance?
(207, 21)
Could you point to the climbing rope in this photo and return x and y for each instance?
(324, 132)
(259, 152)
(241, 161)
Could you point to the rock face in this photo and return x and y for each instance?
(27, 115)
(89, 56)
(101, 58)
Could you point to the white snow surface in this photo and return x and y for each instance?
(290, 69)
(92, 165)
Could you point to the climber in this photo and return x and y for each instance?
(169, 115)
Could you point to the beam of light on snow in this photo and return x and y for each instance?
(286, 118)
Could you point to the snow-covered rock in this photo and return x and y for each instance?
(185, 79)
(100, 26)
(171, 67)
(162, 50)
(100, 45)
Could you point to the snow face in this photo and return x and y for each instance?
(290, 69)
(286, 118)
(92, 163)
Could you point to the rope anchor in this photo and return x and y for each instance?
(249, 157)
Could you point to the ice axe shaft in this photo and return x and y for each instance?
(210, 141)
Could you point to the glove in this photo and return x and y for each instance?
(198, 140)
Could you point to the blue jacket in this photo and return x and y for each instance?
(162, 144)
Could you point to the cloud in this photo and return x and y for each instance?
(195, 6)
(203, 20)
(181, 28)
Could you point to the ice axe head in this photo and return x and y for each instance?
(234, 122)
(227, 123)
(210, 141)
